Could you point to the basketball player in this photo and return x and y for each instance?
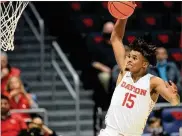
(136, 91)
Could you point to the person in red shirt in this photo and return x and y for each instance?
(11, 124)
(6, 71)
(19, 98)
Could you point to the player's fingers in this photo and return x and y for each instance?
(133, 2)
(167, 84)
(173, 84)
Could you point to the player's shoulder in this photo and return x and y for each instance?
(154, 81)
(121, 75)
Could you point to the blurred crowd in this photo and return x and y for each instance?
(15, 95)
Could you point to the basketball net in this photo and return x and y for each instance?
(10, 12)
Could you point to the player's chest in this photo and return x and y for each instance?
(128, 91)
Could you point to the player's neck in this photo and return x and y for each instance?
(137, 76)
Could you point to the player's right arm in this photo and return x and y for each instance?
(168, 91)
(117, 44)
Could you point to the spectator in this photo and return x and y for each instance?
(165, 69)
(154, 127)
(37, 127)
(6, 71)
(11, 124)
(19, 98)
(103, 58)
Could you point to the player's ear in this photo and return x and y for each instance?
(145, 64)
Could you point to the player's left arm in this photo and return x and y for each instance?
(166, 90)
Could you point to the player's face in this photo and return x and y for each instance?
(135, 62)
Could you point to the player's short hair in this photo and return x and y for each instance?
(3, 97)
(147, 50)
(127, 48)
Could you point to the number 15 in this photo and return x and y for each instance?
(128, 100)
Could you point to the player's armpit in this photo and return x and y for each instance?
(168, 91)
(120, 76)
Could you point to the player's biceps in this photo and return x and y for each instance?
(166, 97)
(120, 57)
(165, 94)
(120, 61)
(119, 53)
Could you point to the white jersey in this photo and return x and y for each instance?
(130, 106)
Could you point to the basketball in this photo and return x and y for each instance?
(121, 9)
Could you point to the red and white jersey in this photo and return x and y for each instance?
(130, 106)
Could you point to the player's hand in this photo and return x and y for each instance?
(172, 87)
(133, 2)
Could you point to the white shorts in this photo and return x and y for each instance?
(108, 131)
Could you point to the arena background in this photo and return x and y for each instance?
(44, 53)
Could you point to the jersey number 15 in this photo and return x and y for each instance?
(128, 100)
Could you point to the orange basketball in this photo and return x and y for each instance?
(121, 9)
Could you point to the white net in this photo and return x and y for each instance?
(10, 12)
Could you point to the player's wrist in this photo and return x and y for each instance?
(176, 101)
(178, 97)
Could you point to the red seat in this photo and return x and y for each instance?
(168, 4)
(97, 38)
(175, 54)
(176, 22)
(101, 7)
(172, 119)
(150, 21)
(86, 23)
(130, 36)
(163, 38)
(139, 4)
(93, 39)
(77, 7)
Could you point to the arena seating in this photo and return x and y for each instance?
(172, 119)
